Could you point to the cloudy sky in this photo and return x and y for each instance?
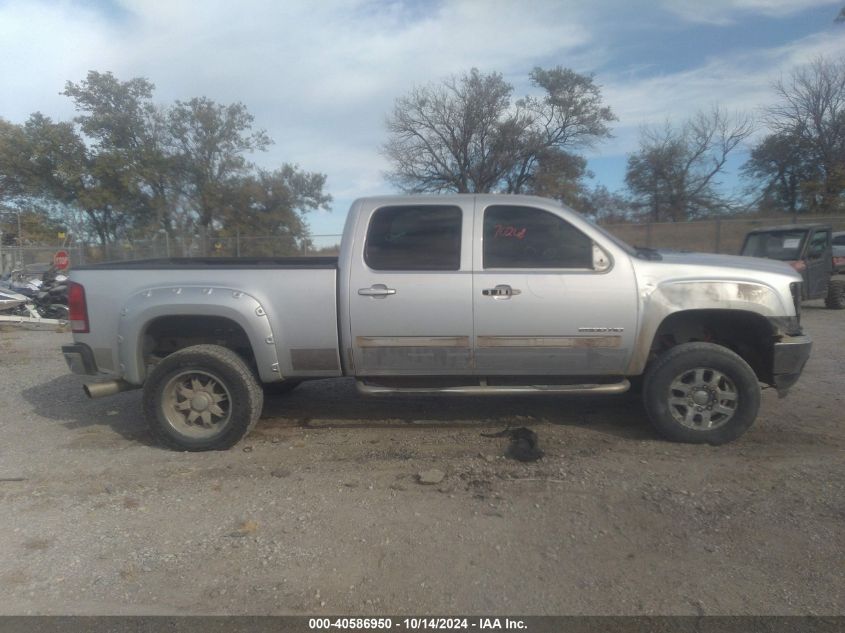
(321, 75)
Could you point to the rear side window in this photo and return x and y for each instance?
(525, 237)
(423, 237)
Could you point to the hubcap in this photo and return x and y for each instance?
(196, 404)
(702, 398)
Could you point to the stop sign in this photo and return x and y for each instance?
(61, 260)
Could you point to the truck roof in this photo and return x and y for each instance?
(438, 198)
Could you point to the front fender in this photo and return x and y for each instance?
(660, 301)
(230, 303)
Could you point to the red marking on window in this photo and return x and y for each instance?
(510, 231)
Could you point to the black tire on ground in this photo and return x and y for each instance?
(701, 393)
(280, 388)
(835, 299)
(202, 398)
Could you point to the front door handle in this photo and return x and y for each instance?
(502, 291)
(378, 291)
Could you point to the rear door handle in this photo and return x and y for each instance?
(502, 291)
(378, 291)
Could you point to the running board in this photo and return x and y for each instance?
(503, 390)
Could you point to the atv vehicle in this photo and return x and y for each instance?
(808, 249)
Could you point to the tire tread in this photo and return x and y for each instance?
(742, 420)
(198, 355)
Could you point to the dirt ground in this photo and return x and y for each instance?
(320, 510)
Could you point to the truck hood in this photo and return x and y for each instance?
(730, 262)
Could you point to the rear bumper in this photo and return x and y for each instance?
(790, 356)
(80, 359)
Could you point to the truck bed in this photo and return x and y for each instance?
(296, 295)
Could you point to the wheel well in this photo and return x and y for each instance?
(748, 334)
(166, 335)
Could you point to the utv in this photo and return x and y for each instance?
(808, 249)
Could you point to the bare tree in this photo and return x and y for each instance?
(448, 137)
(465, 135)
(674, 174)
(811, 110)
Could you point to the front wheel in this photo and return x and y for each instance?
(701, 393)
(202, 398)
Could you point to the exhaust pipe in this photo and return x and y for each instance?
(103, 389)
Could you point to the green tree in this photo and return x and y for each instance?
(273, 204)
(130, 150)
(211, 141)
(14, 162)
(126, 167)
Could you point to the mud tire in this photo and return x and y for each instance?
(682, 360)
(231, 374)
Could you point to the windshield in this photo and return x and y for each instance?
(782, 245)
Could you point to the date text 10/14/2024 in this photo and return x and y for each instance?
(417, 624)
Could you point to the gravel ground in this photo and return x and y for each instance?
(320, 509)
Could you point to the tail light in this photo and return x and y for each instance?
(77, 308)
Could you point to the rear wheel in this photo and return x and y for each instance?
(701, 393)
(201, 398)
(835, 298)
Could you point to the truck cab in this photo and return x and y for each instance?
(484, 286)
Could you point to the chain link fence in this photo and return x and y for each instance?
(708, 236)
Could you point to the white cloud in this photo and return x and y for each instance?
(727, 11)
(739, 82)
(41, 47)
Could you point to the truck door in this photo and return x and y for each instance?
(819, 263)
(410, 290)
(547, 300)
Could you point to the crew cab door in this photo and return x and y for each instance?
(819, 263)
(547, 299)
(410, 290)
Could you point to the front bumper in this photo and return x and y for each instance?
(80, 359)
(790, 356)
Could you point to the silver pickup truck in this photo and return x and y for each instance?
(463, 294)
